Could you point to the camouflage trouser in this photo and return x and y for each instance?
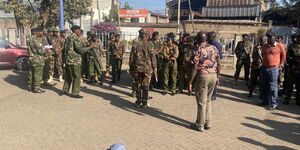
(107, 63)
(95, 68)
(291, 80)
(141, 85)
(239, 64)
(84, 65)
(35, 75)
(59, 64)
(182, 76)
(253, 79)
(170, 72)
(51, 65)
(281, 78)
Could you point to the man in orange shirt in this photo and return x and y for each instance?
(273, 58)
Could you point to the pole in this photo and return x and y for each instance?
(119, 21)
(178, 17)
(192, 16)
(167, 8)
(98, 11)
(92, 18)
(61, 15)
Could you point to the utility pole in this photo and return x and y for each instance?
(167, 8)
(192, 16)
(61, 15)
(119, 20)
(92, 18)
(178, 17)
(98, 11)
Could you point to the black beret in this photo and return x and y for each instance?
(75, 27)
(37, 29)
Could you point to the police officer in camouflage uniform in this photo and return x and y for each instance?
(293, 72)
(256, 64)
(142, 64)
(116, 51)
(37, 52)
(243, 51)
(94, 54)
(170, 54)
(57, 61)
(188, 58)
(73, 49)
(156, 81)
(182, 73)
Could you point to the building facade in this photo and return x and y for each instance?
(220, 9)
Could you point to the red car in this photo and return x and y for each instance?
(13, 56)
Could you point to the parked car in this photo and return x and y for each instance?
(13, 56)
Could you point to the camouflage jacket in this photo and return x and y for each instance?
(57, 44)
(36, 51)
(243, 49)
(73, 48)
(170, 52)
(157, 45)
(189, 54)
(293, 55)
(256, 57)
(142, 58)
(94, 50)
(116, 49)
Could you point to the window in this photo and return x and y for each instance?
(3, 44)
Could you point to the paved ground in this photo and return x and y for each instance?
(106, 116)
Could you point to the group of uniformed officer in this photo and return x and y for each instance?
(289, 74)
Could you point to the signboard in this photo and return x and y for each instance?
(133, 13)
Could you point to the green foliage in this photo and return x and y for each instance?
(261, 32)
(29, 13)
(286, 14)
(126, 6)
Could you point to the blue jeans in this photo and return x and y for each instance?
(268, 85)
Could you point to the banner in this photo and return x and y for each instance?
(133, 13)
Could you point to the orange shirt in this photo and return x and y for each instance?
(273, 55)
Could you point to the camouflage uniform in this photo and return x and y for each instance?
(142, 63)
(73, 49)
(242, 52)
(84, 57)
(255, 67)
(47, 67)
(282, 71)
(37, 61)
(170, 67)
(157, 47)
(182, 72)
(116, 50)
(57, 45)
(293, 72)
(94, 54)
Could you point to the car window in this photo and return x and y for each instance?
(3, 44)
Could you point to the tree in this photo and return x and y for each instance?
(288, 13)
(126, 6)
(45, 13)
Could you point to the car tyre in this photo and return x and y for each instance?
(22, 63)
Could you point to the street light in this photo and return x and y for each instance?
(61, 15)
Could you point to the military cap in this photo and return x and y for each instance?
(37, 29)
(155, 33)
(146, 33)
(75, 27)
(92, 32)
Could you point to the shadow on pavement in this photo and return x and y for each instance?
(124, 104)
(289, 132)
(18, 79)
(242, 96)
(267, 147)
